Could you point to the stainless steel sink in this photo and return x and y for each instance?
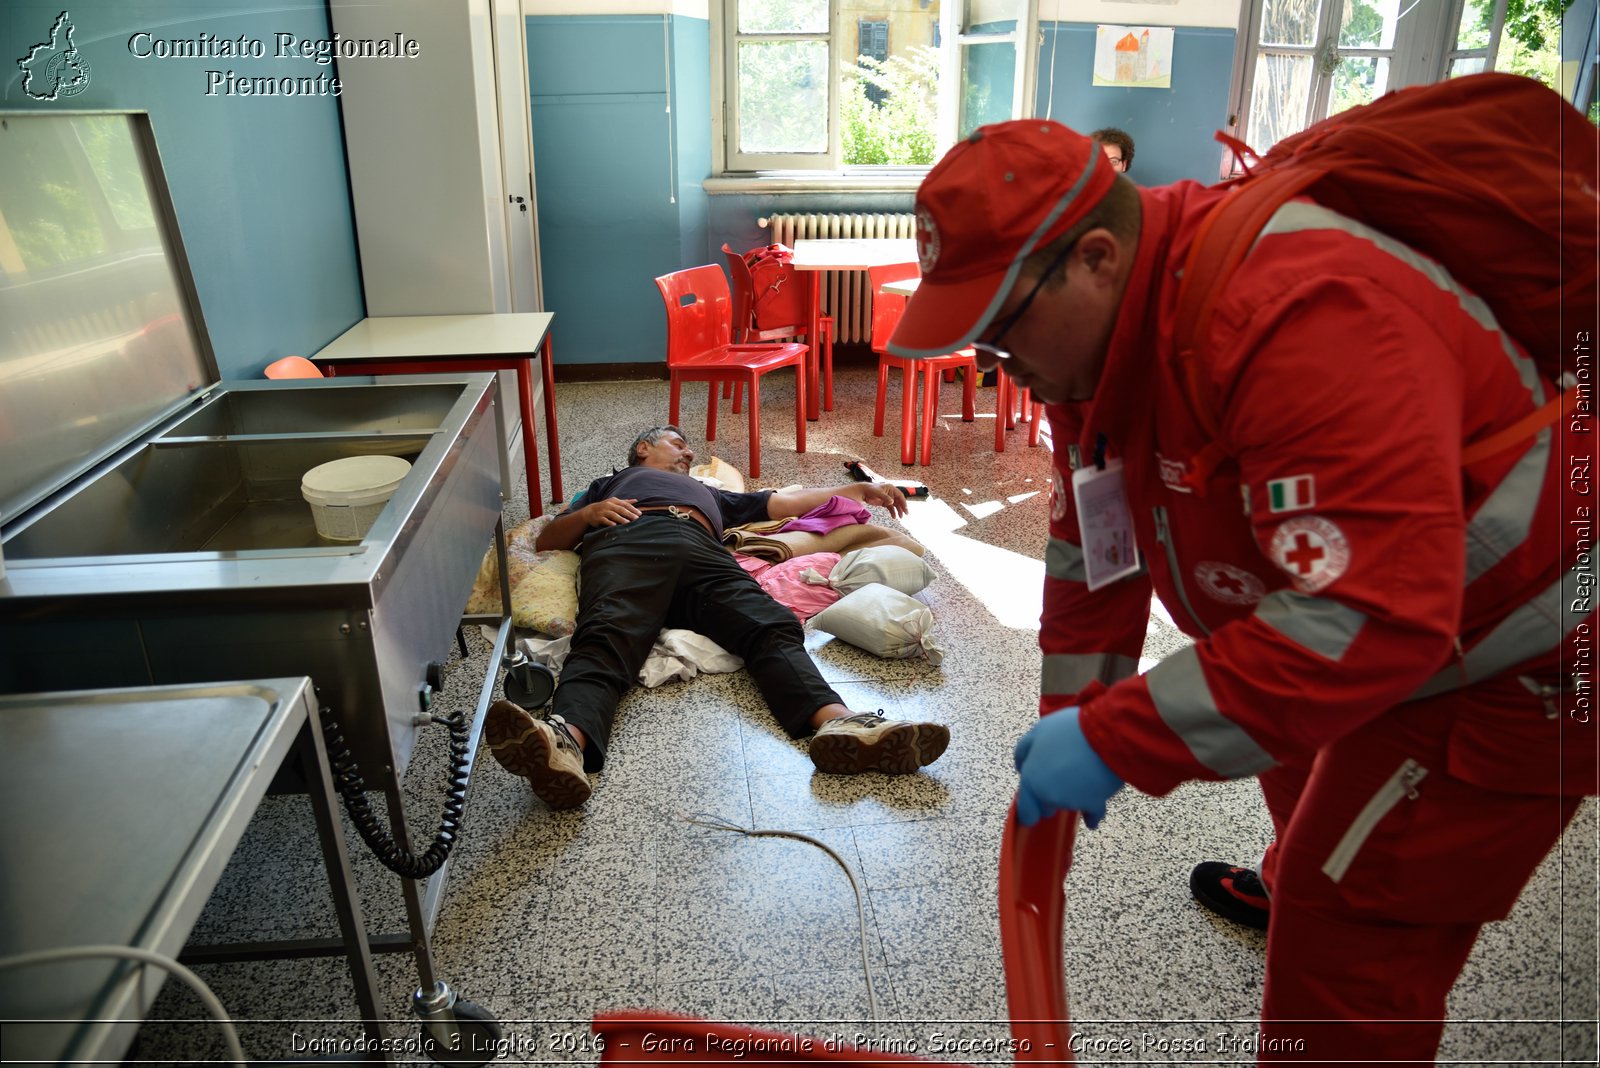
(193, 558)
(153, 526)
(226, 478)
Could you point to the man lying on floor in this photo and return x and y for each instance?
(653, 557)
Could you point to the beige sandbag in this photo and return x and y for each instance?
(892, 565)
(882, 621)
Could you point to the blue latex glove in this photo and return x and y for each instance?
(1060, 770)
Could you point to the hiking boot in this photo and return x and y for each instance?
(541, 751)
(868, 742)
(1231, 892)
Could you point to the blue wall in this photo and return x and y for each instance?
(619, 177)
(1171, 128)
(259, 183)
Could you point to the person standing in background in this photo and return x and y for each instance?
(1118, 147)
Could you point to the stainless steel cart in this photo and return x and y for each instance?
(151, 516)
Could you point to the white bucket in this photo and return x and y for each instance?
(347, 495)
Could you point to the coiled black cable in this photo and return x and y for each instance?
(347, 779)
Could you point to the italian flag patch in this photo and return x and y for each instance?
(1292, 494)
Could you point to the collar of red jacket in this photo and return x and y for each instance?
(1140, 340)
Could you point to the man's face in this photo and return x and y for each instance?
(1058, 344)
(1114, 155)
(670, 453)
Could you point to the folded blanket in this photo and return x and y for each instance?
(783, 545)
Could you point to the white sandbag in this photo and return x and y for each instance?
(882, 621)
(899, 569)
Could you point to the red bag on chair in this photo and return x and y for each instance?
(776, 301)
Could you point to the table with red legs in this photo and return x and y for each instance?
(840, 254)
(423, 344)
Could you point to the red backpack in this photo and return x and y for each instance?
(1492, 175)
(774, 301)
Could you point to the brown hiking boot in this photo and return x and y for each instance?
(868, 742)
(541, 751)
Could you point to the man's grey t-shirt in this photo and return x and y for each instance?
(652, 487)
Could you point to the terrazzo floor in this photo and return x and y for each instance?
(550, 917)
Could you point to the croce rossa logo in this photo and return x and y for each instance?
(54, 68)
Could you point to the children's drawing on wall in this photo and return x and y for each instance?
(1133, 56)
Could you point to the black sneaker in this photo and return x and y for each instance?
(541, 751)
(1231, 892)
(868, 742)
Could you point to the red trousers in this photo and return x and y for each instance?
(1387, 863)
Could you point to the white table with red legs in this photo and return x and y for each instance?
(812, 254)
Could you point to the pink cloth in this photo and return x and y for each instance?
(837, 512)
(784, 584)
(753, 565)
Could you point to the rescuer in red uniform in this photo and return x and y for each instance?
(1377, 628)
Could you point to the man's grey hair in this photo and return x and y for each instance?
(650, 437)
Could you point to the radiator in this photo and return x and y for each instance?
(845, 294)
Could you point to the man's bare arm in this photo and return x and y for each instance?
(791, 503)
(567, 530)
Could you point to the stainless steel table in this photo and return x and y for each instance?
(123, 808)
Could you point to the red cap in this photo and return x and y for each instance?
(1005, 192)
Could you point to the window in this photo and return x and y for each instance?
(875, 46)
(836, 84)
(1313, 58)
(1519, 36)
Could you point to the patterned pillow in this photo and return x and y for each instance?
(544, 585)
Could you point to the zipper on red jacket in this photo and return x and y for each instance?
(1400, 786)
(1164, 537)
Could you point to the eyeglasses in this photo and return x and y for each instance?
(992, 346)
(1116, 162)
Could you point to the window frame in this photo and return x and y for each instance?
(1423, 48)
(1451, 35)
(824, 168)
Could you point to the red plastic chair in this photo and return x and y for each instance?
(886, 311)
(1006, 412)
(699, 350)
(748, 327)
(1033, 901)
(293, 367)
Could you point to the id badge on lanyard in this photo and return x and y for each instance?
(1105, 523)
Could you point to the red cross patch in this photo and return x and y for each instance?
(1229, 584)
(1312, 552)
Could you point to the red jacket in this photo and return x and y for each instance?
(1340, 561)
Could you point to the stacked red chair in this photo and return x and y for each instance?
(886, 311)
(700, 349)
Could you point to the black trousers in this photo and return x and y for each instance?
(660, 571)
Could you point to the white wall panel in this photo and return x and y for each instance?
(424, 159)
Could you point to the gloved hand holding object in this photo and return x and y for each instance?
(1061, 770)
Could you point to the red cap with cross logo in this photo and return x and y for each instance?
(1005, 192)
